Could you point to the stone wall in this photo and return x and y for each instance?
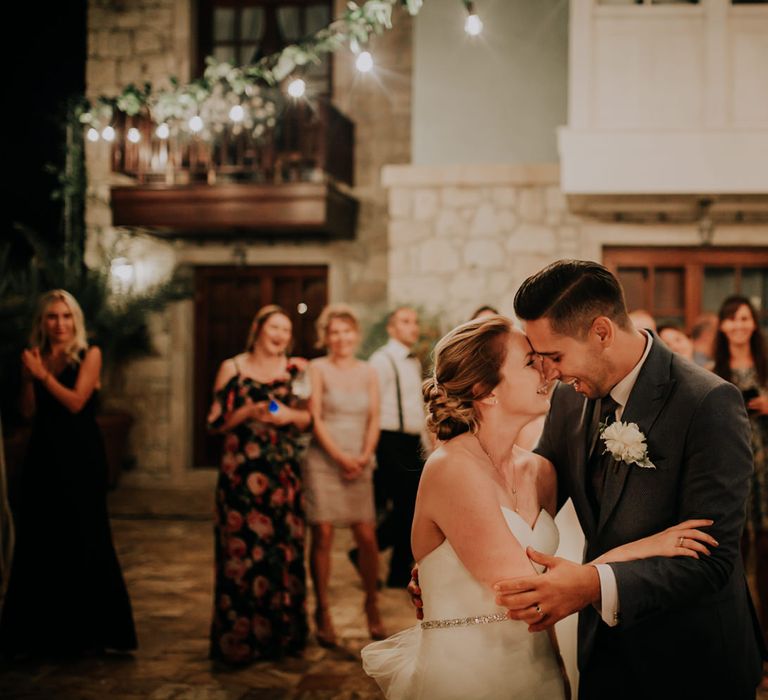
(153, 40)
(467, 235)
(461, 237)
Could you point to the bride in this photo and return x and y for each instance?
(482, 500)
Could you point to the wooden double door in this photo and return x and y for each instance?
(226, 300)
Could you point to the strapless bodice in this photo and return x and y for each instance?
(498, 660)
(449, 590)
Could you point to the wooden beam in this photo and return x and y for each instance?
(198, 210)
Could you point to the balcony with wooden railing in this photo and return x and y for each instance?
(292, 180)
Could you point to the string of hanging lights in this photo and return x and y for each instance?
(243, 95)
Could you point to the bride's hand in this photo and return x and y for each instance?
(415, 592)
(681, 540)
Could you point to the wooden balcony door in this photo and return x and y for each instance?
(226, 299)
(678, 284)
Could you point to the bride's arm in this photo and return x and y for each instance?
(462, 502)
(682, 540)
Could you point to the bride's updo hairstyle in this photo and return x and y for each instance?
(467, 367)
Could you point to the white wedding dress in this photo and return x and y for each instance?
(481, 661)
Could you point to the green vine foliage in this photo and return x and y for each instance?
(225, 83)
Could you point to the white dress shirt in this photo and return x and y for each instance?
(409, 373)
(609, 594)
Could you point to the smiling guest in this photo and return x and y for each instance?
(259, 596)
(338, 472)
(66, 592)
(741, 358)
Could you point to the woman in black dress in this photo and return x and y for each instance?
(66, 593)
(259, 609)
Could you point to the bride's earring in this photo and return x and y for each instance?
(491, 400)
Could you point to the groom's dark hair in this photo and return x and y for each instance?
(571, 294)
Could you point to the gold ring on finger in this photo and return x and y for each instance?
(680, 541)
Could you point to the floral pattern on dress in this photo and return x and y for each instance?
(757, 505)
(260, 588)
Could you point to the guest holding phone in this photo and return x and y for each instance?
(259, 599)
(740, 358)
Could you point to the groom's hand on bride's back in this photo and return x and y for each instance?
(415, 591)
(542, 600)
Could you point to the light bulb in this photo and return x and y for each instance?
(302, 308)
(196, 124)
(108, 133)
(364, 62)
(296, 88)
(237, 113)
(92, 135)
(134, 135)
(163, 131)
(122, 272)
(473, 25)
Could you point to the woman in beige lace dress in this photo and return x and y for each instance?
(338, 472)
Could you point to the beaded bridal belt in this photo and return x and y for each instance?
(464, 621)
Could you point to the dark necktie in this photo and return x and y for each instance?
(599, 460)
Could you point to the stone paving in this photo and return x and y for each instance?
(167, 563)
(165, 546)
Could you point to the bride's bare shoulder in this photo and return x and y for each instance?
(450, 459)
(541, 465)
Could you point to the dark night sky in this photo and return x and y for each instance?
(45, 62)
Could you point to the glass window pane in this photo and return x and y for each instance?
(225, 53)
(634, 280)
(290, 26)
(719, 282)
(317, 17)
(754, 284)
(669, 290)
(251, 24)
(223, 24)
(247, 54)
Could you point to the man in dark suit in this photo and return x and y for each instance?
(679, 627)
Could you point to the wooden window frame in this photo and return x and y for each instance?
(693, 262)
(204, 25)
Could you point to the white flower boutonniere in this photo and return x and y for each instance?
(626, 443)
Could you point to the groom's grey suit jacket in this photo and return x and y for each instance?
(677, 615)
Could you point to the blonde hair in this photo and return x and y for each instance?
(261, 317)
(467, 366)
(38, 338)
(328, 314)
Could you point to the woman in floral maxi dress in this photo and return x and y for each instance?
(259, 600)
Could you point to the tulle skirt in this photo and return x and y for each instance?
(494, 661)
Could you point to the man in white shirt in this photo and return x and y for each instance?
(400, 452)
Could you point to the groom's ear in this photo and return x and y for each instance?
(604, 329)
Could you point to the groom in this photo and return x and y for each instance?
(678, 627)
